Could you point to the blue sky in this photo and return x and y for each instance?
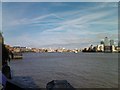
(60, 0)
(69, 25)
(0, 16)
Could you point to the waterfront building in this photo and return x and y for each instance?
(95, 49)
(90, 48)
(117, 49)
(107, 47)
(16, 49)
(102, 42)
(50, 50)
(111, 42)
(106, 41)
(35, 50)
(113, 48)
(100, 48)
(118, 43)
(23, 49)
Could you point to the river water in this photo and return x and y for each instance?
(81, 70)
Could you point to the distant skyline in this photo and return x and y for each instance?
(57, 24)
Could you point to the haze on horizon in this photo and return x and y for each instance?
(56, 24)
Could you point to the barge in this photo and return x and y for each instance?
(17, 55)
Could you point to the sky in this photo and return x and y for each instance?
(60, 0)
(0, 16)
(59, 24)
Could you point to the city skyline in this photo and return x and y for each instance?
(69, 25)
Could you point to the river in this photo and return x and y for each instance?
(81, 70)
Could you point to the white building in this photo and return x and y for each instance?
(100, 47)
(113, 48)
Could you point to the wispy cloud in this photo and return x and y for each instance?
(68, 28)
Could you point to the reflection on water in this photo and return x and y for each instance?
(82, 70)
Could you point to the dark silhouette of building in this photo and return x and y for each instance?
(111, 42)
(118, 43)
(102, 42)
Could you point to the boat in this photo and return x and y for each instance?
(17, 55)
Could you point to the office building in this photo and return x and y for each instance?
(107, 47)
(111, 42)
(102, 42)
(119, 44)
(106, 41)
